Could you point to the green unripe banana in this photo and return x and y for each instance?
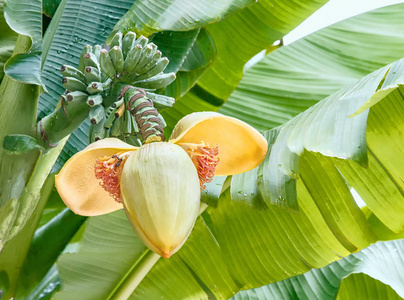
(94, 100)
(147, 53)
(106, 64)
(97, 51)
(94, 88)
(156, 82)
(92, 74)
(98, 131)
(86, 49)
(156, 69)
(96, 114)
(69, 71)
(117, 58)
(132, 59)
(128, 43)
(76, 97)
(73, 84)
(150, 64)
(110, 115)
(126, 124)
(90, 60)
(142, 41)
(115, 128)
(161, 101)
(116, 40)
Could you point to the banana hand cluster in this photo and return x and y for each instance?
(102, 75)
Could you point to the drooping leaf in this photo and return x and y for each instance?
(328, 129)
(25, 17)
(295, 77)
(382, 261)
(232, 246)
(8, 39)
(48, 243)
(17, 103)
(198, 59)
(17, 144)
(238, 38)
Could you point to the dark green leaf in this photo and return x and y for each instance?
(17, 144)
(295, 77)
(49, 241)
(25, 17)
(49, 7)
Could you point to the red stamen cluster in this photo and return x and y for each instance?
(205, 160)
(109, 169)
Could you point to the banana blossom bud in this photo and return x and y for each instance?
(158, 185)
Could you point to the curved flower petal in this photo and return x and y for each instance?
(161, 194)
(241, 147)
(76, 182)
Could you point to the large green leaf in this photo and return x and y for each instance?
(25, 17)
(382, 261)
(7, 41)
(295, 77)
(303, 147)
(148, 17)
(237, 39)
(232, 247)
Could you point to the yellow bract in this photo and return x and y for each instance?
(241, 147)
(76, 182)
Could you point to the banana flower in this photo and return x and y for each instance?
(158, 184)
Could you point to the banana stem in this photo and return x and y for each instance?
(136, 275)
(139, 271)
(62, 122)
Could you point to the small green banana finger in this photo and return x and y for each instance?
(142, 41)
(90, 60)
(116, 40)
(97, 51)
(156, 82)
(150, 64)
(92, 74)
(76, 96)
(73, 84)
(132, 59)
(115, 128)
(94, 100)
(161, 101)
(126, 124)
(117, 103)
(106, 64)
(147, 53)
(94, 88)
(86, 49)
(110, 115)
(96, 114)
(154, 70)
(69, 71)
(98, 131)
(117, 58)
(128, 43)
